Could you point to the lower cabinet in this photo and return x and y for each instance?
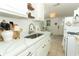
(44, 47)
(25, 53)
(70, 46)
(40, 51)
(40, 48)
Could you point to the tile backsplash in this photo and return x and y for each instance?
(23, 23)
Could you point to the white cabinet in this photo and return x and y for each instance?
(44, 47)
(25, 53)
(20, 8)
(11, 14)
(76, 12)
(65, 46)
(69, 40)
(77, 48)
(71, 47)
(39, 11)
(40, 51)
(40, 48)
(16, 6)
(31, 51)
(69, 44)
(65, 41)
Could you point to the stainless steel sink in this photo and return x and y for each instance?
(73, 33)
(33, 35)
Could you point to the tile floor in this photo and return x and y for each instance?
(56, 46)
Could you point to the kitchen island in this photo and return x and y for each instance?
(26, 47)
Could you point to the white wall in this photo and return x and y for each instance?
(54, 28)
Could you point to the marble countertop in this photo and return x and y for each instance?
(14, 47)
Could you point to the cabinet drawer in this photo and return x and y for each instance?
(39, 48)
(31, 50)
(25, 53)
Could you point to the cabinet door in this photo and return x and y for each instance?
(40, 51)
(25, 53)
(49, 43)
(47, 46)
(71, 48)
(44, 47)
(30, 51)
(65, 45)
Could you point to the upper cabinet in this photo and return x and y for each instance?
(76, 12)
(13, 8)
(38, 11)
(19, 8)
(11, 14)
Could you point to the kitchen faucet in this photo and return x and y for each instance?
(31, 28)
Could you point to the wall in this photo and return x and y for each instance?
(63, 9)
(54, 28)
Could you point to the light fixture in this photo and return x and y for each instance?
(52, 15)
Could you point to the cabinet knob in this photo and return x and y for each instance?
(44, 45)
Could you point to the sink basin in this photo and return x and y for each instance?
(73, 33)
(33, 35)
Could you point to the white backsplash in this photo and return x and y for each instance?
(23, 23)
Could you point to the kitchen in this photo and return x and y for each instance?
(47, 29)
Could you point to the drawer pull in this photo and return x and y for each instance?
(29, 54)
(44, 46)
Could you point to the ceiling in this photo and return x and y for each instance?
(62, 9)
